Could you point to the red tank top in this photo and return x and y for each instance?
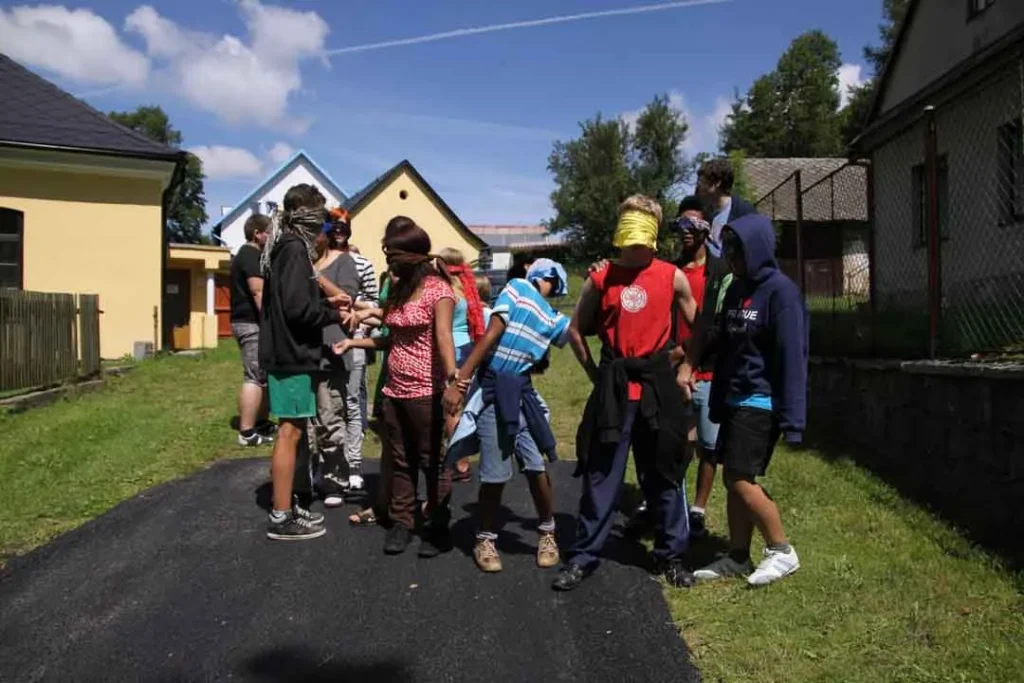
(635, 317)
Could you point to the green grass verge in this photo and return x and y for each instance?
(886, 592)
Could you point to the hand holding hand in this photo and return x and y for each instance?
(452, 399)
(341, 301)
(356, 319)
(684, 378)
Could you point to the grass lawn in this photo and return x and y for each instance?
(886, 592)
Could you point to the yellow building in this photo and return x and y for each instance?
(81, 207)
(197, 305)
(402, 191)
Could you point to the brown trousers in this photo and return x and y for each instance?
(412, 429)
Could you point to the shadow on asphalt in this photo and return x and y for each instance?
(284, 665)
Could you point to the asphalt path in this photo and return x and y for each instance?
(180, 584)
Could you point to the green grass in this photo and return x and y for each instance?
(886, 592)
(64, 464)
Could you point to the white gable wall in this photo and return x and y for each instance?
(940, 37)
(233, 233)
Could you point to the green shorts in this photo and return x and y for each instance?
(292, 396)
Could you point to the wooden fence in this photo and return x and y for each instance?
(47, 339)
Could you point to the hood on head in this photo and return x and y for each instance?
(757, 235)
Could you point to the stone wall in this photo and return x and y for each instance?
(950, 435)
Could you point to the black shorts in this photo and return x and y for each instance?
(746, 440)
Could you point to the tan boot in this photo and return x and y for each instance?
(486, 555)
(547, 550)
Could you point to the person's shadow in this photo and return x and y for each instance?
(286, 664)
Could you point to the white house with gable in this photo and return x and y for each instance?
(269, 194)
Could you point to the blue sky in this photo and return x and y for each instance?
(247, 83)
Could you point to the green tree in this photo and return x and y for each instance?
(793, 111)
(893, 13)
(607, 163)
(858, 109)
(740, 184)
(187, 211)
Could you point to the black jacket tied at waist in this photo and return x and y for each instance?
(661, 405)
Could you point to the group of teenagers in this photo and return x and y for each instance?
(703, 357)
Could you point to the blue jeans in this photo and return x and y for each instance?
(602, 485)
(498, 449)
(707, 431)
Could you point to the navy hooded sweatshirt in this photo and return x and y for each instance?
(762, 352)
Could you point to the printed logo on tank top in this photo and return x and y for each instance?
(633, 298)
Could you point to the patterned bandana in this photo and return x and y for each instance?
(304, 222)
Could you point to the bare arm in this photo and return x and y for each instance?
(453, 394)
(584, 317)
(256, 288)
(444, 310)
(368, 343)
(495, 329)
(684, 297)
(688, 305)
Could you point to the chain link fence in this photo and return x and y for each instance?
(920, 252)
(975, 173)
(822, 237)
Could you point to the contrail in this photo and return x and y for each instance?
(476, 30)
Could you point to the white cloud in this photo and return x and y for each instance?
(850, 76)
(702, 135)
(221, 162)
(239, 82)
(280, 153)
(75, 44)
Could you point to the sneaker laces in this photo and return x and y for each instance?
(488, 551)
(547, 542)
(303, 522)
(302, 513)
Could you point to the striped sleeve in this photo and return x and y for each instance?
(367, 280)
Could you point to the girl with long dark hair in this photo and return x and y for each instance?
(421, 364)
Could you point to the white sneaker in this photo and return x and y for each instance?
(332, 490)
(775, 565)
(355, 482)
(722, 568)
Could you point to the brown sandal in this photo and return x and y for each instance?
(365, 517)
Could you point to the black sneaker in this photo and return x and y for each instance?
(435, 542)
(698, 527)
(676, 575)
(332, 491)
(304, 513)
(570, 577)
(254, 439)
(266, 429)
(293, 528)
(640, 524)
(396, 540)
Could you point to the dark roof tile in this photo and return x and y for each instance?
(36, 112)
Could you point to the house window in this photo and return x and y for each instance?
(11, 248)
(919, 178)
(976, 7)
(1010, 181)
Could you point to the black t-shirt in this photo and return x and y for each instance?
(244, 265)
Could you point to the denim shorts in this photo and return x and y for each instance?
(707, 431)
(498, 450)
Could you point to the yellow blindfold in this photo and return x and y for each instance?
(636, 228)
